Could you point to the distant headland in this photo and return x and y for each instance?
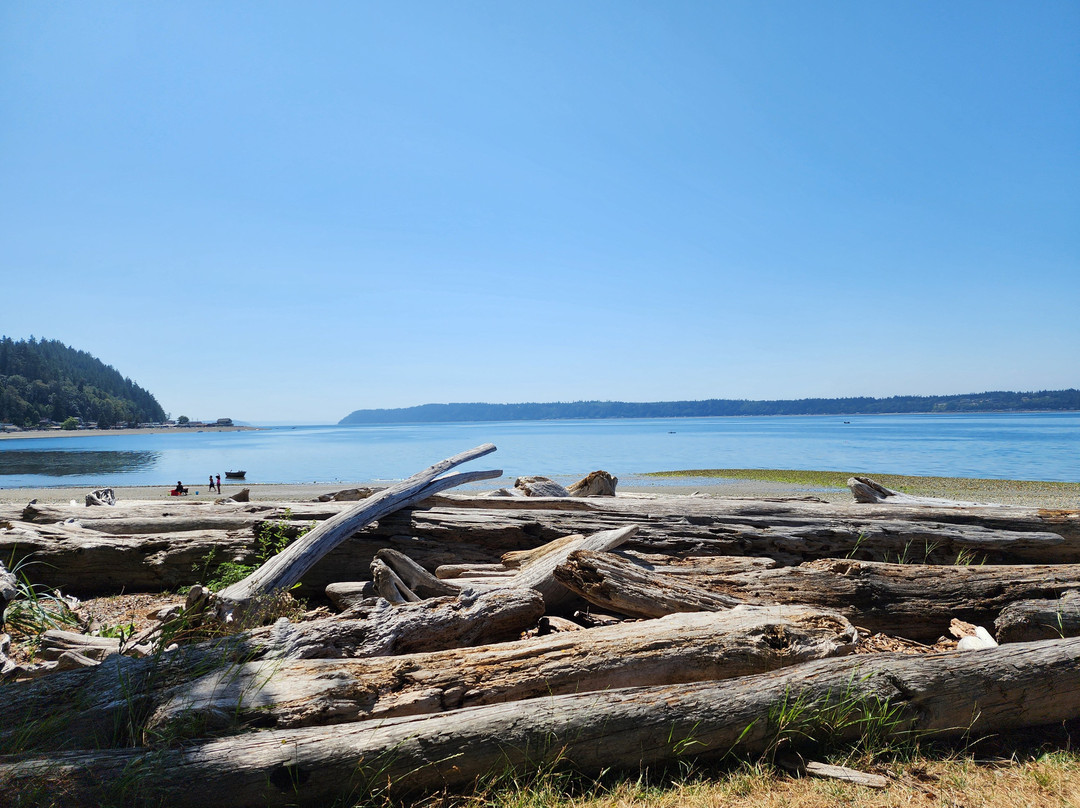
(996, 401)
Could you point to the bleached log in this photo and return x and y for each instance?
(87, 562)
(347, 594)
(56, 642)
(868, 491)
(9, 586)
(1027, 620)
(516, 559)
(678, 648)
(536, 486)
(90, 707)
(416, 578)
(594, 484)
(539, 574)
(450, 571)
(288, 566)
(389, 585)
(905, 600)
(950, 694)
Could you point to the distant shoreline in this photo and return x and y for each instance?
(95, 433)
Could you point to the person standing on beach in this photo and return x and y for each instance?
(211, 482)
(219, 483)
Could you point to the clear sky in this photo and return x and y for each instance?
(282, 212)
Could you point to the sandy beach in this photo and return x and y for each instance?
(1005, 492)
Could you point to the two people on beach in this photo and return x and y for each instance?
(218, 483)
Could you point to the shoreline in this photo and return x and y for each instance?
(754, 484)
(96, 433)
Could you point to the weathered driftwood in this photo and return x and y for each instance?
(449, 571)
(350, 594)
(790, 532)
(539, 573)
(463, 532)
(9, 586)
(88, 706)
(537, 486)
(951, 694)
(594, 484)
(904, 600)
(88, 563)
(678, 648)
(418, 580)
(399, 579)
(102, 496)
(869, 491)
(1045, 619)
(56, 642)
(288, 566)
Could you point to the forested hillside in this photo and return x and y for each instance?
(47, 379)
(998, 401)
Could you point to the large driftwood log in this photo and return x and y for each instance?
(678, 648)
(288, 566)
(477, 530)
(90, 707)
(904, 600)
(1026, 684)
(1028, 620)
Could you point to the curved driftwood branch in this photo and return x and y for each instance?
(288, 566)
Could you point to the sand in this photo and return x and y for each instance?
(1044, 495)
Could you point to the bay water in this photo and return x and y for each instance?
(1022, 446)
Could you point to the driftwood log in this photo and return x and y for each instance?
(472, 530)
(287, 567)
(90, 707)
(678, 648)
(947, 694)
(1028, 620)
(905, 600)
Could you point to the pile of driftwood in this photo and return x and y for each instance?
(480, 633)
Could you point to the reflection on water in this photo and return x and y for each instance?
(75, 463)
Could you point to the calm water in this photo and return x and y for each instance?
(1010, 446)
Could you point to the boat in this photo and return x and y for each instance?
(235, 475)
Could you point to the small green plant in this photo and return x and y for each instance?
(855, 547)
(122, 632)
(270, 539)
(859, 724)
(35, 608)
(967, 558)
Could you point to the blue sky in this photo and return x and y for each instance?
(281, 212)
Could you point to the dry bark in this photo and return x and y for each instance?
(905, 600)
(678, 648)
(950, 694)
(1028, 620)
(89, 707)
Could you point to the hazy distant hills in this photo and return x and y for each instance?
(45, 379)
(997, 401)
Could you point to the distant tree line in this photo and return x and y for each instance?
(45, 379)
(997, 401)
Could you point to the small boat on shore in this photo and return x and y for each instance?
(235, 475)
